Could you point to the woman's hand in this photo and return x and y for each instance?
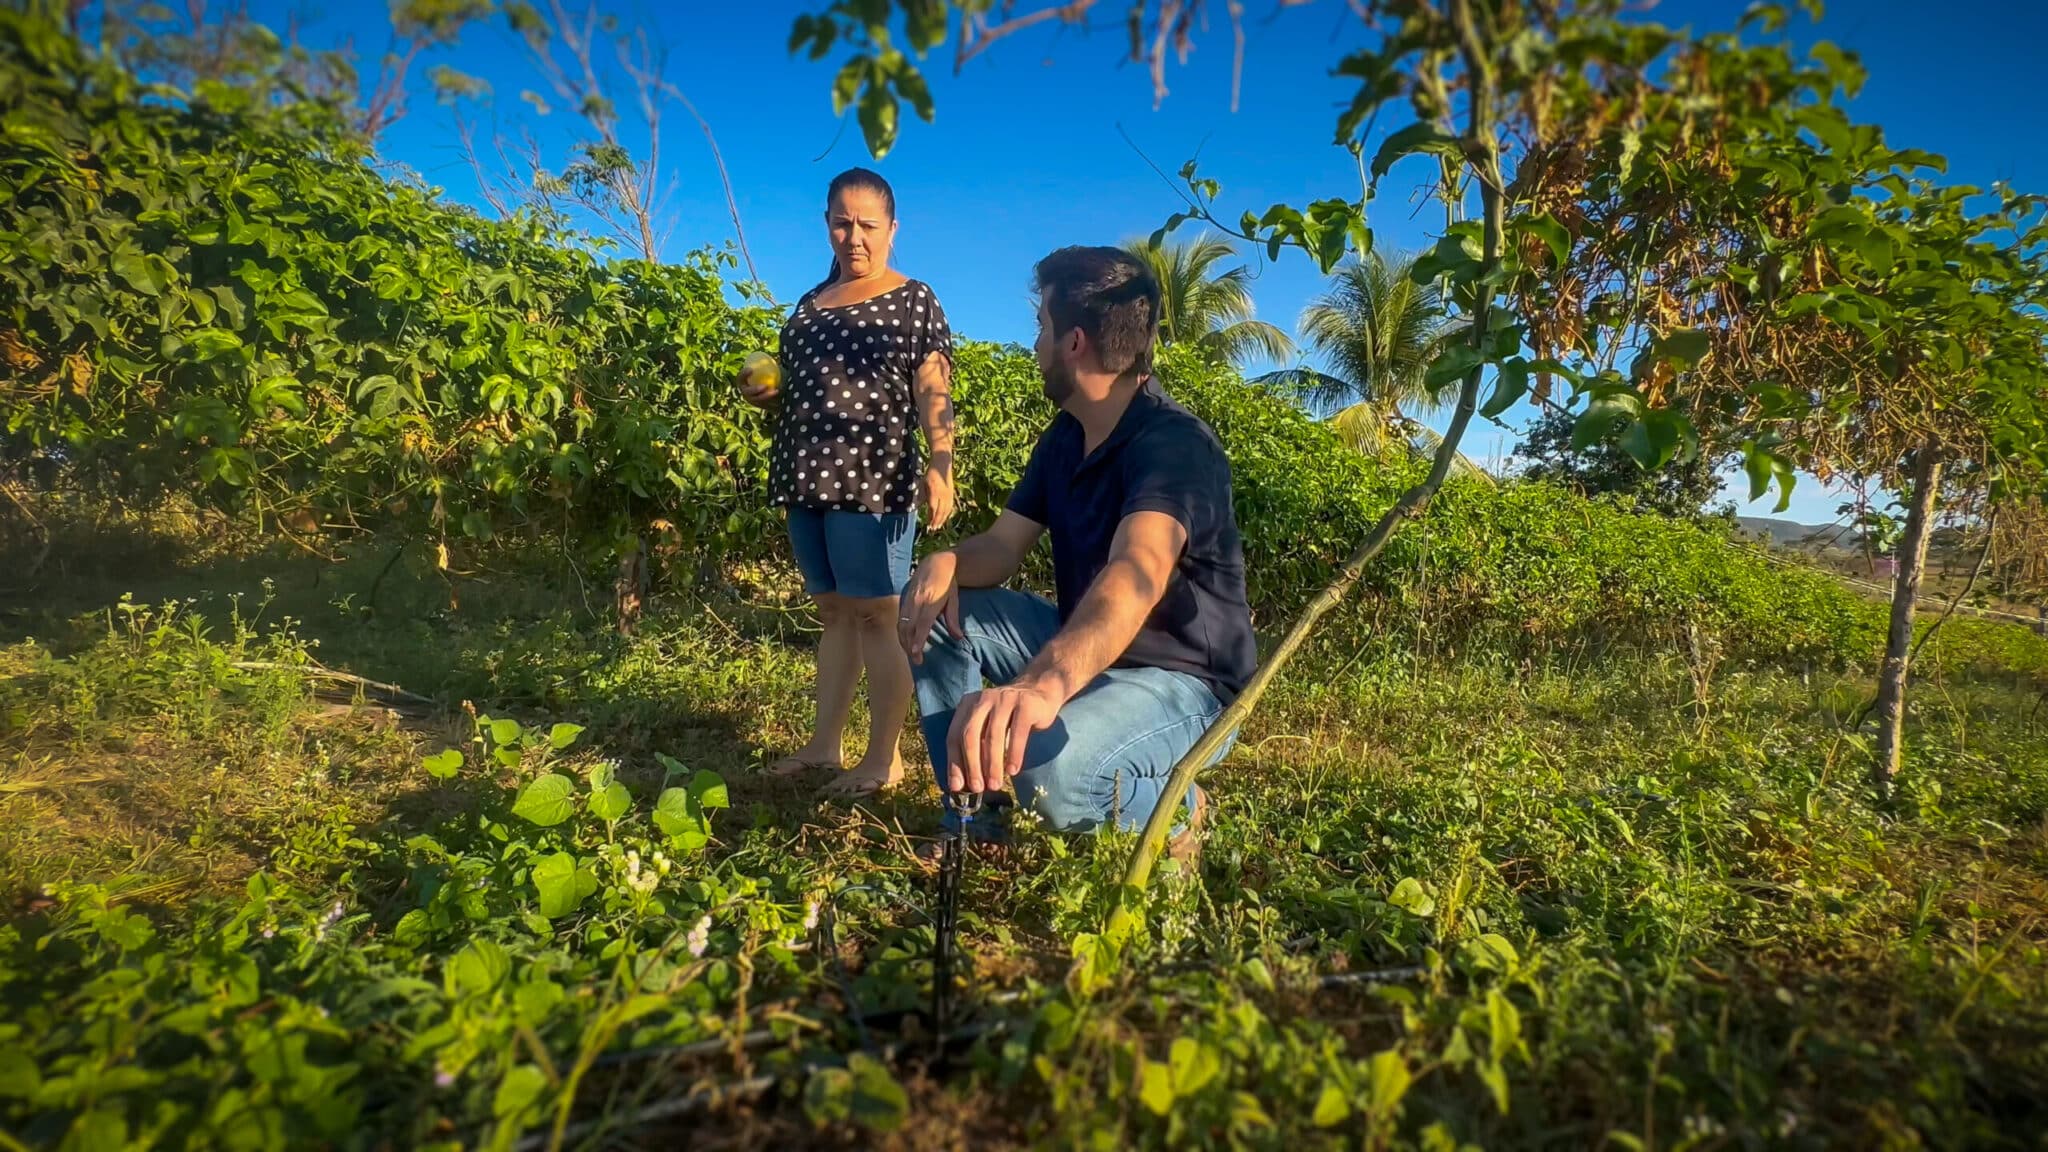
(760, 383)
(938, 497)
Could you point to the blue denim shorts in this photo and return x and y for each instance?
(859, 555)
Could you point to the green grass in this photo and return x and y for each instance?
(1616, 899)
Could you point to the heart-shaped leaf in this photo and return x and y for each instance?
(1410, 897)
(554, 878)
(547, 801)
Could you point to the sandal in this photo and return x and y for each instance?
(793, 766)
(853, 785)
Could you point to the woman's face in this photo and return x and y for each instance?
(862, 231)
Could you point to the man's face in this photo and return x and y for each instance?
(1055, 364)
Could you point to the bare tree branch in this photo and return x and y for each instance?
(977, 34)
(718, 158)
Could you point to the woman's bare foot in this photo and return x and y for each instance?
(803, 761)
(865, 779)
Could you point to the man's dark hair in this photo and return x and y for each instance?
(1108, 294)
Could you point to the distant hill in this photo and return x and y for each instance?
(1783, 533)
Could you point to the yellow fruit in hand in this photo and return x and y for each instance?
(762, 371)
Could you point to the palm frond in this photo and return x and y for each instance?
(1380, 331)
(1201, 306)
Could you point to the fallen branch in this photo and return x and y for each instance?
(319, 673)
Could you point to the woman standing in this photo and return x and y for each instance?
(865, 356)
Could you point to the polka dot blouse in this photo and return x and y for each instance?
(845, 439)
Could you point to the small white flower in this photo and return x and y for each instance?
(699, 938)
(811, 916)
(443, 1079)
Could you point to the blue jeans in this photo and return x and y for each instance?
(1106, 759)
(859, 555)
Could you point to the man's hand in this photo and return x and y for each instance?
(932, 595)
(986, 744)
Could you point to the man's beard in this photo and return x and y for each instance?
(1058, 382)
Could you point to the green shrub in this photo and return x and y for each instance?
(203, 295)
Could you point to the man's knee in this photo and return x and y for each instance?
(1061, 780)
(1057, 800)
(834, 609)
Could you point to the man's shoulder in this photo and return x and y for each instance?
(1173, 428)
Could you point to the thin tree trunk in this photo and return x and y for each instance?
(1912, 561)
(629, 590)
(1480, 134)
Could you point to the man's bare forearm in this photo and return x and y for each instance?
(983, 561)
(1101, 630)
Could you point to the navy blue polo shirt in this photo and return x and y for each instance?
(1160, 458)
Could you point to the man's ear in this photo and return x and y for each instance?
(1076, 346)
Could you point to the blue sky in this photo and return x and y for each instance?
(1029, 148)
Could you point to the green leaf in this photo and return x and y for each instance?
(1546, 228)
(707, 788)
(1194, 1065)
(681, 820)
(554, 878)
(1689, 345)
(610, 802)
(146, 274)
(846, 85)
(1597, 422)
(1510, 384)
(533, 1000)
(124, 929)
(19, 1077)
(519, 1093)
(504, 732)
(563, 735)
(1757, 463)
(103, 1129)
(1409, 896)
(1651, 441)
(1491, 952)
(211, 343)
(477, 968)
(443, 764)
(910, 83)
(1155, 1087)
(878, 120)
(1331, 1107)
(879, 1102)
(413, 928)
(547, 801)
(1388, 1077)
(1452, 365)
(1418, 137)
(827, 1094)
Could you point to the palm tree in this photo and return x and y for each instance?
(1379, 332)
(1209, 309)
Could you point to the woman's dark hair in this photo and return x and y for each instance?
(866, 180)
(1108, 294)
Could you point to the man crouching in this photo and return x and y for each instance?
(1090, 701)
